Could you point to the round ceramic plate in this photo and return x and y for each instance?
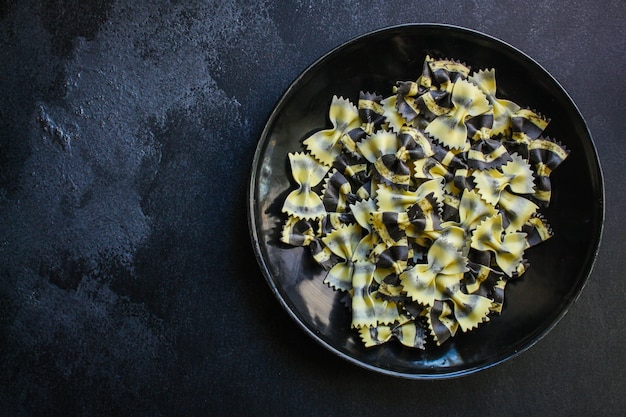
(559, 267)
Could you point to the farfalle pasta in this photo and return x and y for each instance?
(307, 173)
(449, 128)
(420, 205)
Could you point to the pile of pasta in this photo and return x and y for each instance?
(421, 205)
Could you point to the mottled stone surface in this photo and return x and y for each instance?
(127, 282)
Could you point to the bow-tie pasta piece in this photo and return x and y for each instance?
(371, 112)
(545, 155)
(452, 159)
(362, 211)
(441, 322)
(410, 334)
(393, 119)
(337, 193)
(406, 331)
(343, 242)
(430, 168)
(307, 173)
(390, 157)
(399, 200)
(445, 72)
(516, 175)
(472, 210)
(481, 279)
(449, 129)
(526, 126)
(441, 74)
(393, 258)
(425, 214)
(498, 296)
(502, 109)
(450, 211)
(379, 144)
(354, 168)
(421, 220)
(413, 144)
(325, 145)
(454, 236)
(406, 92)
(334, 220)
(520, 175)
(487, 154)
(300, 232)
(389, 286)
(426, 283)
(454, 167)
(508, 248)
(517, 210)
(430, 95)
(470, 310)
(367, 308)
(386, 225)
(479, 127)
(537, 230)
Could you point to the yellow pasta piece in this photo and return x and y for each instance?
(405, 330)
(430, 168)
(507, 247)
(545, 155)
(336, 192)
(517, 210)
(304, 202)
(368, 309)
(449, 129)
(486, 154)
(374, 336)
(502, 109)
(406, 93)
(455, 236)
(399, 200)
(394, 120)
(393, 257)
(520, 175)
(378, 144)
(537, 230)
(527, 125)
(409, 334)
(325, 145)
(470, 309)
(426, 282)
(387, 226)
(473, 210)
(297, 232)
(498, 296)
(343, 242)
(516, 175)
(362, 210)
(371, 112)
(441, 321)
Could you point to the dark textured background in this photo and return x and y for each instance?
(127, 282)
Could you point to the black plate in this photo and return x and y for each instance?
(559, 267)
